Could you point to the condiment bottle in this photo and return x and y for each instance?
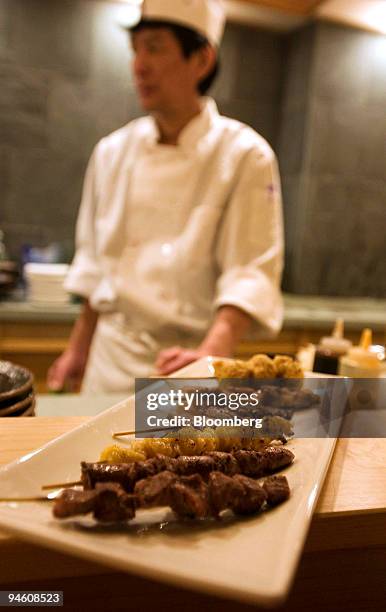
(361, 361)
(330, 349)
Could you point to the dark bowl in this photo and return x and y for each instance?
(20, 408)
(7, 403)
(30, 412)
(14, 381)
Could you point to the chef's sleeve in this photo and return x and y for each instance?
(85, 273)
(250, 244)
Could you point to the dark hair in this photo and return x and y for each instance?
(190, 42)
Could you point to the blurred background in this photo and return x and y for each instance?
(315, 89)
(309, 75)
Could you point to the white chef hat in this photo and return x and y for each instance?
(204, 16)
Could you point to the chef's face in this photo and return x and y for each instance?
(165, 80)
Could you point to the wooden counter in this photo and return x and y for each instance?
(343, 563)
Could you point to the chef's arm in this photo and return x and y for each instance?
(67, 371)
(229, 326)
(83, 331)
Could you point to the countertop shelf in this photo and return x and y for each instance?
(300, 311)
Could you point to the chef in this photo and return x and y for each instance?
(179, 235)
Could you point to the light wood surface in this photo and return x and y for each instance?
(346, 543)
(356, 481)
(23, 435)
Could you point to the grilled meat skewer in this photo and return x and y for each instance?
(188, 496)
(276, 488)
(254, 464)
(108, 502)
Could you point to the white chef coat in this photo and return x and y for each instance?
(168, 234)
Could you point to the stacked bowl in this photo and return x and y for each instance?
(17, 396)
(45, 283)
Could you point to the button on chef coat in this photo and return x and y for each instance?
(168, 234)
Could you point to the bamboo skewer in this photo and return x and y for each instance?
(76, 483)
(62, 485)
(48, 497)
(11, 500)
(119, 434)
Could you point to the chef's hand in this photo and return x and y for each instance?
(175, 358)
(229, 325)
(66, 373)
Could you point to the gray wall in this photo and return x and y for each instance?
(318, 95)
(65, 83)
(333, 157)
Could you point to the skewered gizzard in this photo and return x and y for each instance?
(249, 463)
(196, 487)
(188, 496)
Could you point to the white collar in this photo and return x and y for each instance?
(193, 132)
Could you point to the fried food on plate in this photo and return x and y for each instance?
(286, 367)
(262, 366)
(259, 366)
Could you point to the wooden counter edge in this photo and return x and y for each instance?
(28, 562)
(330, 529)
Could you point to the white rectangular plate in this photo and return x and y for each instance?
(250, 559)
